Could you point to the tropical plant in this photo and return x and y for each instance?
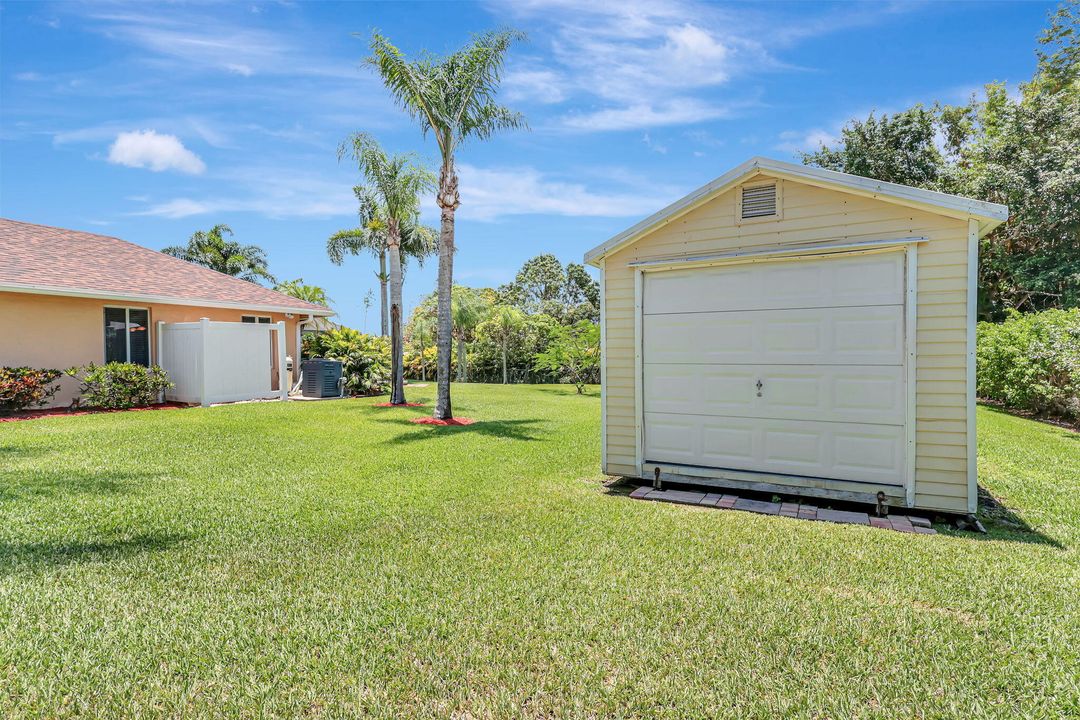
(396, 181)
(308, 293)
(365, 358)
(467, 310)
(503, 325)
(421, 333)
(573, 352)
(453, 98)
(211, 249)
(118, 385)
(25, 387)
(369, 299)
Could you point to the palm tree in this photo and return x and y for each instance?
(505, 321)
(453, 98)
(308, 293)
(397, 181)
(211, 249)
(369, 236)
(423, 331)
(467, 310)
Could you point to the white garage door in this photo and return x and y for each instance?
(793, 367)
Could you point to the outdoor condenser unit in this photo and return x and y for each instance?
(321, 378)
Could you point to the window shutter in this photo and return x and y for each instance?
(758, 201)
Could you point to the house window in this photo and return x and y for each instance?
(127, 335)
(261, 319)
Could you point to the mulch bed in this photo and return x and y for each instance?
(66, 412)
(408, 404)
(435, 421)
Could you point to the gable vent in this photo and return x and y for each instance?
(758, 201)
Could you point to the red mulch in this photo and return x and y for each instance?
(408, 404)
(435, 421)
(65, 412)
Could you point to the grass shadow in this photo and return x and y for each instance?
(568, 391)
(506, 429)
(1005, 523)
(66, 482)
(36, 555)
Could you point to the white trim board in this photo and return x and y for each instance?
(779, 252)
(156, 299)
(989, 215)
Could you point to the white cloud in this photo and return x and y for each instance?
(654, 146)
(542, 86)
(28, 76)
(490, 193)
(240, 69)
(795, 141)
(148, 149)
(680, 111)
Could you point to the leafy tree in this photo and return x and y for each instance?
(573, 352)
(211, 249)
(1022, 151)
(896, 148)
(397, 182)
(453, 98)
(538, 286)
(582, 294)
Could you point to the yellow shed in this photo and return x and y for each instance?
(796, 330)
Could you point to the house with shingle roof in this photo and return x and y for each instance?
(70, 298)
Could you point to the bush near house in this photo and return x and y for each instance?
(118, 385)
(365, 358)
(1032, 362)
(26, 387)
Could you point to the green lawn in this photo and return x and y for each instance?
(334, 560)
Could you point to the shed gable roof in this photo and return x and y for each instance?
(55, 261)
(989, 215)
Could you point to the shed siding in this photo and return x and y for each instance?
(811, 214)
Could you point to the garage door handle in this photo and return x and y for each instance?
(759, 386)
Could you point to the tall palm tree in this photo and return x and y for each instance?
(368, 236)
(211, 249)
(397, 181)
(309, 293)
(423, 332)
(453, 98)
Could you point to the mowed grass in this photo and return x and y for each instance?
(335, 560)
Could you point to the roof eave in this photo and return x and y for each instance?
(160, 299)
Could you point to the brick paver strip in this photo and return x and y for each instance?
(789, 510)
(641, 492)
(757, 506)
(710, 499)
(880, 522)
(807, 512)
(683, 497)
(924, 531)
(728, 502)
(901, 523)
(843, 516)
(918, 521)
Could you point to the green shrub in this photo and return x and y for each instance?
(365, 358)
(1032, 362)
(120, 385)
(24, 387)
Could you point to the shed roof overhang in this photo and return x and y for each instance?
(989, 215)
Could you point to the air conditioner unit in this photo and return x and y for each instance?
(322, 378)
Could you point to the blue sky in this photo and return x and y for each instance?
(150, 121)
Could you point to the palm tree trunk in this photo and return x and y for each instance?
(504, 363)
(397, 347)
(462, 367)
(383, 308)
(448, 202)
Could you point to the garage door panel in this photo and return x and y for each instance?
(869, 394)
(820, 336)
(832, 282)
(845, 451)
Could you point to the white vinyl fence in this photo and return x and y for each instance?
(214, 362)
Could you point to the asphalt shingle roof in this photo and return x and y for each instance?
(50, 258)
